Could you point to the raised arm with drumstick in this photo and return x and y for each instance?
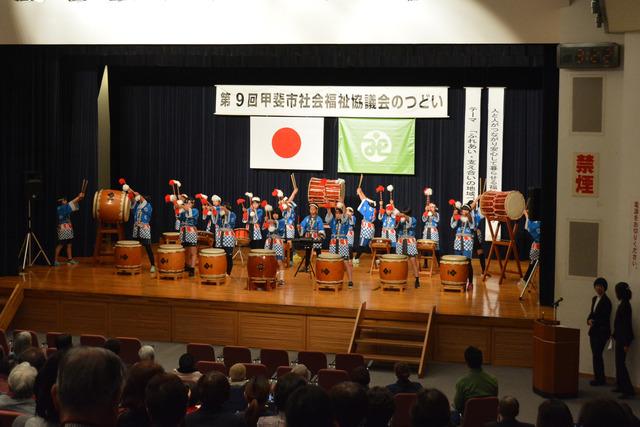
(431, 219)
(478, 238)
(65, 227)
(387, 216)
(367, 229)
(288, 207)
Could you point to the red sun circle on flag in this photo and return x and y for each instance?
(286, 142)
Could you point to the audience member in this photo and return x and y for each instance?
(46, 412)
(21, 342)
(554, 413)
(623, 336)
(34, 356)
(381, 407)
(237, 379)
(187, 371)
(403, 384)
(287, 384)
(302, 370)
(309, 406)
(113, 345)
(256, 393)
(166, 399)
(349, 403)
(88, 387)
(476, 383)
(133, 394)
(64, 342)
(602, 412)
(147, 353)
(361, 376)
(431, 409)
(21, 380)
(213, 389)
(508, 410)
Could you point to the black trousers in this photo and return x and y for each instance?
(229, 254)
(598, 342)
(256, 244)
(622, 374)
(147, 247)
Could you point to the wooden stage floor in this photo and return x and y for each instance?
(88, 298)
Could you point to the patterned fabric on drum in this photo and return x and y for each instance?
(141, 220)
(463, 244)
(430, 231)
(533, 227)
(313, 227)
(367, 229)
(274, 242)
(65, 228)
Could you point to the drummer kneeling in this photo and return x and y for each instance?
(339, 243)
(275, 243)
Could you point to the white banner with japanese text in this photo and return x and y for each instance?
(471, 167)
(332, 101)
(634, 260)
(495, 131)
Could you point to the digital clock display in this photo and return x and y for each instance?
(588, 55)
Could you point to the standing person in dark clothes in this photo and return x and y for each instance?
(599, 321)
(623, 336)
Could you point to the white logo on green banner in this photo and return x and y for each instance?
(380, 146)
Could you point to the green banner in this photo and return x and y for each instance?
(380, 146)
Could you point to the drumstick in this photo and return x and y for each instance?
(293, 181)
(360, 182)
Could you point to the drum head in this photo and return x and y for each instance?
(127, 243)
(515, 205)
(330, 257)
(95, 203)
(393, 257)
(212, 251)
(170, 247)
(425, 242)
(380, 240)
(171, 234)
(126, 207)
(454, 258)
(261, 252)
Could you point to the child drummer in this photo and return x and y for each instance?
(141, 210)
(367, 229)
(339, 244)
(227, 223)
(254, 222)
(65, 228)
(275, 243)
(406, 244)
(534, 229)
(462, 221)
(188, 220)
(387, 218)
(312, 227)
(431, 219)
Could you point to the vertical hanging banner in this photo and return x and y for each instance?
(471, 167)
(635, 242)
(495, 131)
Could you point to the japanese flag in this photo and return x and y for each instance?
(286, 143)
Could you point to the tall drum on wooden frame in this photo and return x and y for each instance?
(111, 206)
(500, 205)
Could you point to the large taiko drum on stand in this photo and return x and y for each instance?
(500, 205)
(454, 271)
(171, 259)
(262, 267)
(128, 256)
(111, 206)
(329, 269)
(326, 192)
(212, 265)
(393, 269)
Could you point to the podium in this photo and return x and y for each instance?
(556, 355)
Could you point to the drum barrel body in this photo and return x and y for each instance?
(380, 243)
(171, 259)
(424, 244)
(212, 263)
(454, 270)
(111, 206)
(500, 205)
(262, 265)
(171, 237)
(329, 269)
(393, 269)
(128, 255)
(325, 191)
(242, 236)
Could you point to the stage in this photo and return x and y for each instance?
(90, 298)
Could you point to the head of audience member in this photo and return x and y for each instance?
(602, 412)
(361, 376)
(302, 370)
(147, 353)
(186, 364)
(64, 342)
(623, 292)
(287, 384)
(22, 379)
(473, 357)
(88, 386)
(309, 406)
(402, 370)
(44, 381)
(237, 373)
(213, 389)
(508, 408)
(381, 407)
(135, 385)
(554, 413)
(256, 393)
(600, 285)
(34, 356)
(21, 342)
(166, 399)
(431, 409)
(113, 345)
(349, 403)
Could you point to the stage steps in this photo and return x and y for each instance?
(10, 305)
(391, 341)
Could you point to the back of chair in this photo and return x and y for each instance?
(480, 410)
(92, 340)
(51, 338)
(273, 358)
(313, 360)
(206, 366)
(256, 370)
(349, 361)
(7, 417)
(327, 378)
(201, 352)
(402, 415)
(233, 355)
(281, 370)
(34, 337)
(129, 348)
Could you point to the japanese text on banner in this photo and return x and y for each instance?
(471, 166)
